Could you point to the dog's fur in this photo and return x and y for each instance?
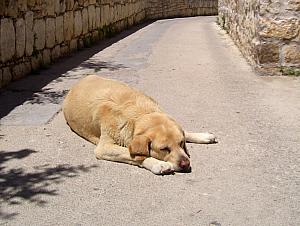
(128, 126)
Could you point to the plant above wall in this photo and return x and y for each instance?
(290, 71)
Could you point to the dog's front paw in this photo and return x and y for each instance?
(162, 168)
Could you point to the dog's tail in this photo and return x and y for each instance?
(200, 138)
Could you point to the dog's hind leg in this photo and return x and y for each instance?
(200, 138)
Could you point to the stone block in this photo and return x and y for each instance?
(77, 23)
(20, 70)
(126, 10)
(1, 85)
(68, 25)
(55, 53)
(130, 21)
(80, 44)
(118, 12)
(31, 3)
(20, 37)
(270, 7)
(50, 7)
(22, 5)
(85, 21)
(95, 36)
(73, 45)
(36, 61)
(6, 76)
(29, 33)
(112, 14)
(50, 32)
(17, 72)
(76, 7)
(69, 4)
(39, 31)
(268, 53)
(2, 9)
(46, 57)
(83, 3)
(98, 17)
(1, 78)
(280, 29)
(105, 14)
(92, 17)
(40, 9)
(59, 6)
(11, 8)
(27, 67)
(293, 5)
(59, 29)
(291, 54)
(64, 50)
(7, 39)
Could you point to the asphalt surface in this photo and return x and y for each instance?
(49, 175)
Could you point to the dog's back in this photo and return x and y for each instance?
(96, 102)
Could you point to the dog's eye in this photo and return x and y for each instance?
(166, 149)
(182, 144)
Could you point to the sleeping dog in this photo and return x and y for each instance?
(129, 127)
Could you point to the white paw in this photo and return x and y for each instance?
(209, 138)
(162, 168)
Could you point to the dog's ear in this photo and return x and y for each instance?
(139, 146)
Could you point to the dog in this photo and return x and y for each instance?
(128, 127)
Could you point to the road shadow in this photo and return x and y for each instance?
(100, 65)
(30, 88)
(18, 185)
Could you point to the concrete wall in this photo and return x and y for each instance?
(266, 31)
(35, 33)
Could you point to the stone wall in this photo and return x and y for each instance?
(266, 31)
(35, 33)
(181, 8)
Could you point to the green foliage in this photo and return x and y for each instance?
(290, 71)
(87, 42)
(107, 31)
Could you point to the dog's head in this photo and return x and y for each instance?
(159, 136)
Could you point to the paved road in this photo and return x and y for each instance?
(49, 175)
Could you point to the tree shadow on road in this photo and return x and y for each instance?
(31, 88)
(18, 185)
(47, 96)
(100, 65)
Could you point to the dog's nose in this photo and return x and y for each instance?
(184, 164)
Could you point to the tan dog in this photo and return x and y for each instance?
(128, 126)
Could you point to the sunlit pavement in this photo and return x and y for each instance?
(49, 175)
